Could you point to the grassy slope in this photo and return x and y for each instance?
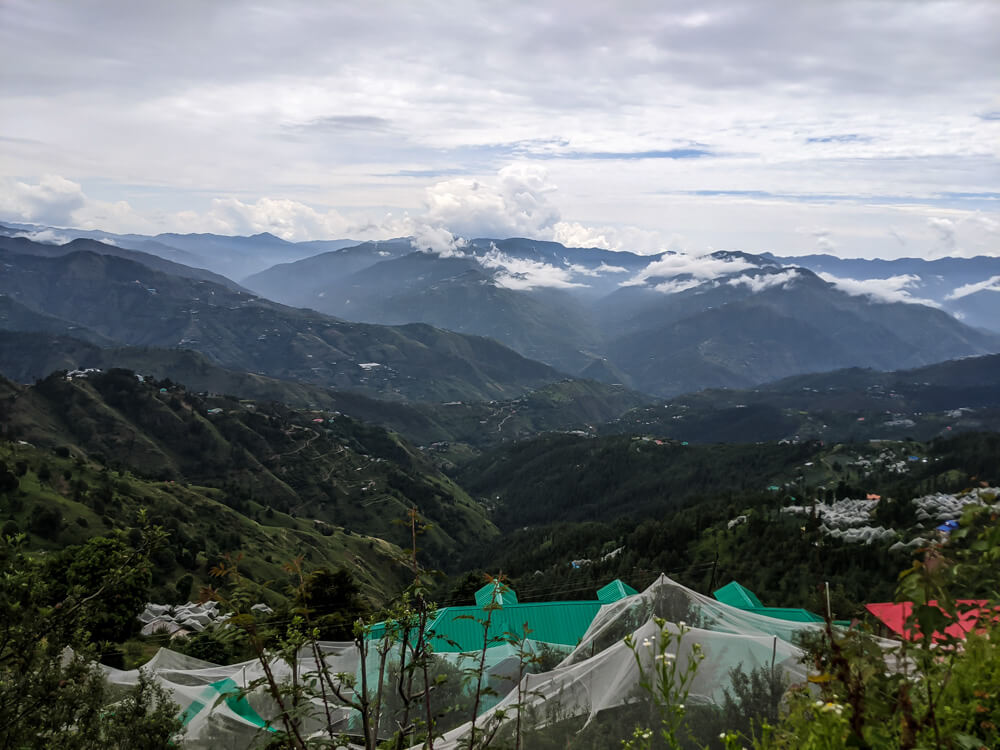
(89, 500)
(340, 471)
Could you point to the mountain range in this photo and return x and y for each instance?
(968, 288)
(664, 324)
(330, 387)
(104, 297)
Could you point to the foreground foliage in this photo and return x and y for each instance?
(52, 693)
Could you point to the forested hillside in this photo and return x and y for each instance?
(707, 515)
(321, 466)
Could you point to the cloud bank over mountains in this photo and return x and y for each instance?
(857, 127)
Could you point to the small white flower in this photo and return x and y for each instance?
(818, 704)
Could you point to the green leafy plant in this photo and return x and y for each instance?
(665, 675)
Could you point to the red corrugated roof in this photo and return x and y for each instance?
(895, 614)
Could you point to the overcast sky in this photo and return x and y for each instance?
(857, 128)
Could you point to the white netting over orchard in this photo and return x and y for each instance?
(591, 691)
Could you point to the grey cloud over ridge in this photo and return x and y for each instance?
(677, 285)
(697, 267)
(892, 289)
(759, 282)
(525, 274)
(989, 285)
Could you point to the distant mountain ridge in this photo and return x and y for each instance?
(968, 288)
(853, 404)
(232, 257)
(129, 303)
(662, 324)
(566, 405)
(25, 246)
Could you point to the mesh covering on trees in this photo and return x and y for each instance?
(593, 690)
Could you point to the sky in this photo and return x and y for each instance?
(862, 129)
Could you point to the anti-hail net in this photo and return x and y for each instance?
(591, 692)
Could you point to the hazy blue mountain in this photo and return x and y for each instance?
(456, 293)
(25, 246)
(231, 256)
(236, 257)
(941, 281)
(132, 304)
(854, 404)
(16, 317)
(661, 324)
(305, 283)
(799, 325)
(479, 291)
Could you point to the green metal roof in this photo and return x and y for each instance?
(737, 595)
(504, 594)
(563, 623)
(614, 591)
(792, 614)
(459, 629)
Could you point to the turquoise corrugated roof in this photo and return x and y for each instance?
(615, 591)
(461, 628)
(792, 614)
(504, 594)
(737, 595)
(563, 623)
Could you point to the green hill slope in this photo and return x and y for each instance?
(851, 404)
(61, 498)
(563, 405)
(336, 471)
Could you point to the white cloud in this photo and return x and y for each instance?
(760, 282)
(990, 285)
(61, 202)
(702, 267)
(514, 204)
(53, 200)
(602, 269)
(677, 285)
(824, 242)
(892, 289)
(945, 230)
(898, 236)
(437, 240)
(47, 236)
(523, 273)
(989, 224)
(624, 237)
(288, 219)
(870, 104)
